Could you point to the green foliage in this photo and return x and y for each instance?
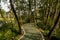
(45, 28)
(48, 10)
(48, 27)
(45, 32)
(7, 32)
(27, 20)
(58, 33)
(41, 25)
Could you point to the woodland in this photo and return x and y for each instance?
(43, 14)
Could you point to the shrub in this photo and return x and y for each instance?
(7, 32)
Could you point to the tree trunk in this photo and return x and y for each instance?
(55, 12)
(55, 23)
(29, 10)
(35, 12)
(47, 19)
(14, 11)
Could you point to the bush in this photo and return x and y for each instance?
(7, 32)
(41, 25)
(45, 28)
(58, 33)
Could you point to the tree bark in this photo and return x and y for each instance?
(55, 23)
(14, 11)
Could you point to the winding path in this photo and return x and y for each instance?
(31, 33)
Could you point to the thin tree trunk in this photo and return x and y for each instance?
(29, 10)
(35, 12)
(55, 23)
(14, 11)
(47, 19)
(47, 14)
(55, 13)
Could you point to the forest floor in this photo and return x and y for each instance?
(31, 33)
